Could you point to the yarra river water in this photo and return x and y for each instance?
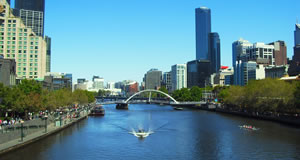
(178, 135)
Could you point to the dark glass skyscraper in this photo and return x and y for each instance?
(214, 52)
(198, 72)
(203, 28)
(34, 5)
(32, 13)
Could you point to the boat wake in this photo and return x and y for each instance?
(141, 133)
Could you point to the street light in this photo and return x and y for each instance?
(22, 134)
(46, 117)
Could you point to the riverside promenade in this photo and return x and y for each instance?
(50, 129)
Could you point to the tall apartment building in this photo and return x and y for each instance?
(32, 12)
(166, 81)
(280, 55)
(20, 43)
(179, 76)
(153, 79)
(238, 51)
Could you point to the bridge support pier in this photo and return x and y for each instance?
(122, 106)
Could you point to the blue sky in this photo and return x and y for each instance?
(123, 39)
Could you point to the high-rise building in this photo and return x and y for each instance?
(35, 5)
(179, 76)
(166, 81)
(32, 13)
(297, 35)
(279, 53)
(198, 73)
(203, 28)
(238, 51)
(214, 52)
(249, 70)
(294, 68)
(20, 43)
(261, 53)
(153, 79)
(48, 54)
(98, 83)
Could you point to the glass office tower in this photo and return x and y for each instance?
(34, 5)
(32, 13)
(203, 28)
(214, 52)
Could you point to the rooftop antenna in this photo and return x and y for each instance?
(297, 20)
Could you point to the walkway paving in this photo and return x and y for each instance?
(51, 128)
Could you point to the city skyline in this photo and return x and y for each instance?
(123, 41)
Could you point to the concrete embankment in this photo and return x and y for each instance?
(51, 129)
(289, 120)
(284, 119)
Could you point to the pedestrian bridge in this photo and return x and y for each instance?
(123, 104)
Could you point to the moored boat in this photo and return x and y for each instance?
(178, 108)
(98, 110)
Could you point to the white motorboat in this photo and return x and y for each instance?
(141, 133)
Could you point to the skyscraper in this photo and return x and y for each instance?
(48, 56)
(18, 42)
(214, 52)
(297, 35)
(34, 5)
(203, 28)
(32, 13)
(294, 68)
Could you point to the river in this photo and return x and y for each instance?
(180, 135)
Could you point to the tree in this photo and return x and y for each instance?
(196, 93)
(183, 94)
(28, 86)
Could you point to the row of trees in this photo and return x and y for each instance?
(268, 95)
(29, 96)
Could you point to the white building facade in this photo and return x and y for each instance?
(22, 44)
(179, 76)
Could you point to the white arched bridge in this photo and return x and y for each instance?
(151, 90)
(124, 103)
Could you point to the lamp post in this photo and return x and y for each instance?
(22, 133)
(46, 117)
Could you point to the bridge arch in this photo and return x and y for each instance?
(151, 90)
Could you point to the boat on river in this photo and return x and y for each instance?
(98, 110)
(178, 108)
(141, 133)
(249, 127)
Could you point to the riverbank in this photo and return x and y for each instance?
(284, 119)
(51, 129)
